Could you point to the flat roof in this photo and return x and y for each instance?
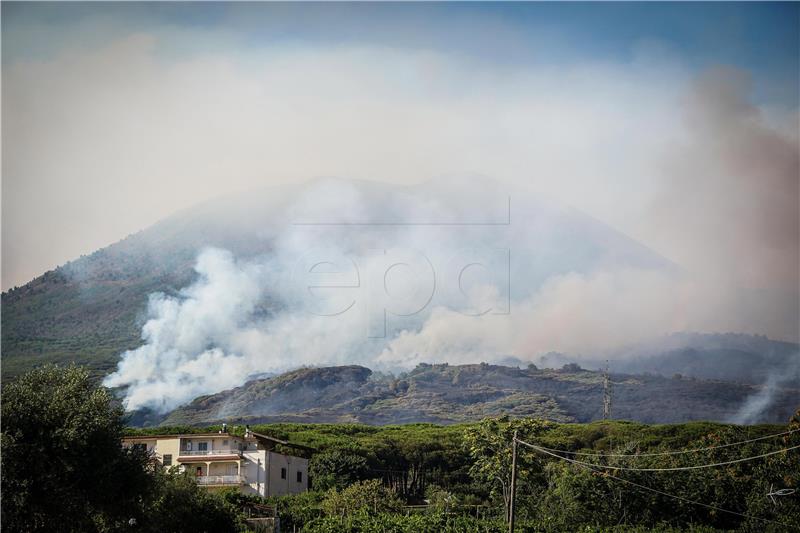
(282, 442)
(180, 435)
(256, 436)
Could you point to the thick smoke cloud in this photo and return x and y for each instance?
(688, 166)
(455, 270)
(727, 203)
(189, 338)
(134, 130)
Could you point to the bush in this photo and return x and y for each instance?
(364, 497)
(295, 510)
(398, 523)
(183, 506)
(440, 500)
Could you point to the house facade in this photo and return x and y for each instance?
(219, 460)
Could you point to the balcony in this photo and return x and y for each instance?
(220, 480)
(204, 453)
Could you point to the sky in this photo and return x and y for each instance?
(116, 115)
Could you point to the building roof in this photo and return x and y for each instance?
(257, 436)
(179, 436)
(273, 440)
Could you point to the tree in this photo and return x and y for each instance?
(337, 468)
(63, 466)
(489, 445)
(181, 506)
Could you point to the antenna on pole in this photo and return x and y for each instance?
(606, 394)
(513, 490)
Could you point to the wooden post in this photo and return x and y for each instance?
(513, 483)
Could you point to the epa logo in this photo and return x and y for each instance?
(402, 283)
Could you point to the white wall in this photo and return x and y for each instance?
(255, 473)
(288, 485)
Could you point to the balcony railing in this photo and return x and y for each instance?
(210, 452)
(220, 480)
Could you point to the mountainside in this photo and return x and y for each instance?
(732, 357)
(753, 359)
(90, 310)
(449, 394)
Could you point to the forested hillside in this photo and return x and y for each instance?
(90, 310)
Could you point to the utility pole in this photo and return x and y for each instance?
(513, 483)
(606, 394)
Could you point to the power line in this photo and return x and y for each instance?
(670, 469)
(673, 452)
(645, 487)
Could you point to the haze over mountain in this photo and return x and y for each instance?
(349, 272)
(677, 151)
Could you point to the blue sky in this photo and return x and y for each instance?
(761, 37)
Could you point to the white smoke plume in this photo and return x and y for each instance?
(190, 340)
(391, 277)
(461, 269)
(753, 409)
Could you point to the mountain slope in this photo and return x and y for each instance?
(92, 309)
(450, 394)
(733, 357)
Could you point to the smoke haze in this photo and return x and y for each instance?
(390, 277)
(653, 177)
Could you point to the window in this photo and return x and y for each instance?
(167, 461)
(140, 446)
(225, 444)
(299, 477)
(202, 446)
(188, 446)
(283, 473)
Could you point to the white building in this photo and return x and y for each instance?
(220, 460)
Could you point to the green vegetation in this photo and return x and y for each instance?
(64, 470)
(463, 472)
(89, 310)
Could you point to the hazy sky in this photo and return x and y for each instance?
(675, 123)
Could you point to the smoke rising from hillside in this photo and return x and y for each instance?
(753, 409)
(390, 277)
(688, 166)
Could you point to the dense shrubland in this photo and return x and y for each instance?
(64, 470)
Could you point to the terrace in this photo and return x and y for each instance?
(226, 480)
(207, 453)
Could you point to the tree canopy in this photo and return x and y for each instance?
(64, 468)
